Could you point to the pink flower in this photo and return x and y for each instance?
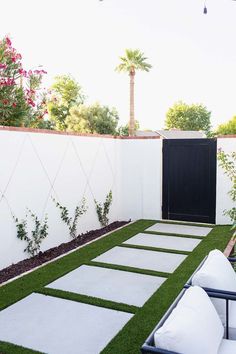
(14, 104)
(22, 72)
(30, 102)
(7, 82)
(8, 41)
(5, 102)
(40, 72)
(3, 66)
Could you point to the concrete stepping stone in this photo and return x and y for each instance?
(180, 229)
(162, 241)
(151, 260)
(57, 326)
(109, 284)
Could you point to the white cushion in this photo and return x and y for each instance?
(216, 273)
(232, 321)
(227, 347)
(193, 327)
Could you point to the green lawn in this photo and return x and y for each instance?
(138, 328)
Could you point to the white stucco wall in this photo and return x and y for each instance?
(224, 185)
(140, 178)
(36, 167)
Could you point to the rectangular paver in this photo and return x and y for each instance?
(162, 241)
(152, 260)
(180, 229)
(109, 284)
(57, 326)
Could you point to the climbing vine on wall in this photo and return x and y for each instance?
(72, 221)
(228, 163)
(35, 237)
(103, 209)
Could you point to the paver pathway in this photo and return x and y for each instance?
(109, 284)
(162, 241)
(55, 325)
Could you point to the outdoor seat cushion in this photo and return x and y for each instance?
(193, 327)
(216, 273)
(227, 347)
(232, 321)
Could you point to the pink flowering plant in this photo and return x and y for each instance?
(22, 101)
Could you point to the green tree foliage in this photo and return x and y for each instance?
(123, 130)
(65, 93)
(132, 61)
(188, 117)
(92, 119)
(227, 128)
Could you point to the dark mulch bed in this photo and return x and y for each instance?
(30, 263)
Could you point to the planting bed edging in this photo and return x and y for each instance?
(62, 254)
(229, 248)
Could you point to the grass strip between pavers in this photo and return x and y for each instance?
(135, 332)
(128, 340)
(155, 249)
(129, 269)
(9, 348)
(90, 300)
(157, 233)
(187, 223)
(25, 285)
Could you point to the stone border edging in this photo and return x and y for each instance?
(230, 247)
(64, 254)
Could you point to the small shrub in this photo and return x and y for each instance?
(72, 222)
(228, 163)
(39, 233)
(103, 211)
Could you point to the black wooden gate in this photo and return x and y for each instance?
(189, 180)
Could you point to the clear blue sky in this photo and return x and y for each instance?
(193, 55)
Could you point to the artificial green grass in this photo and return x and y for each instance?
(129, 269)
(156, 249)
(133, 335)
(8, 348)
(21, 287)
(88, 300)
(188, 223)
(171, 234)
(128, 340)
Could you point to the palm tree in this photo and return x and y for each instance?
(132, 61)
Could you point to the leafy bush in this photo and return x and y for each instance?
(188, 117)
(228, 163)
(22, 101)
(228, 128)
(72, 222)
(103, 210)
(39, 233)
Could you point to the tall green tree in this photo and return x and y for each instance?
(132, 61)
(65, 93)
(188, 117)
(228, 128)
(92, 119)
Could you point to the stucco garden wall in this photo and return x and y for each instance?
(39, 166)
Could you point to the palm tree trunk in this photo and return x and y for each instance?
(131, 114)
